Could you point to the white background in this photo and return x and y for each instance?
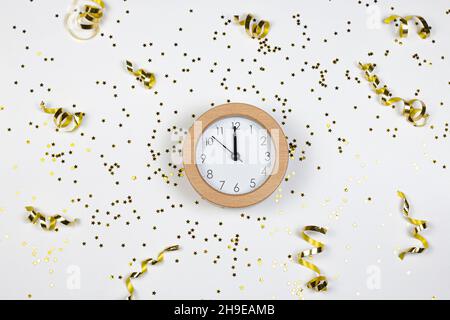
(365, 236)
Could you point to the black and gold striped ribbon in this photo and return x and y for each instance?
(414, 110)
(253, 28)
(47, 222)
(64, 119)
(144, 264)
(423, 32)
(147, 78)
(318, 283)
(419, 225)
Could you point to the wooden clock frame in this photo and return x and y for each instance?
(239, 200)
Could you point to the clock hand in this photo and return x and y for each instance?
(224, 146)
(235, 154)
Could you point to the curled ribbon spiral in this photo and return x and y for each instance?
(414, 110)
(87, 19)
(143, 76)
(64, 119)
(253, 28)
(47, 222)
(423, 32)
(144, 265)
(419, 225)
(318, 283)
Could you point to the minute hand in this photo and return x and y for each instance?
(235, 154)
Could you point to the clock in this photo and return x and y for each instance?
(235, 155)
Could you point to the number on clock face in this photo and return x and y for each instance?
(235, 155)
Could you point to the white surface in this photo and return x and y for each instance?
(364, 235)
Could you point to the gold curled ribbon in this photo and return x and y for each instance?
(416, 115)
(253, 28)
(144, 265)
(147, 78)
(423, 32)
(64, 119)
(47, 222)
(88, 18)
(419, 225)
(318, 283)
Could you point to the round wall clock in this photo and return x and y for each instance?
(235, 155)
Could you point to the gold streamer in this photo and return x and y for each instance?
(47, 222)
(88, 18)
(147, 78)
(423, 32)
(318, 283)
(253, 28)
(64, 119)
(419, 225)
(414, 110)
(144, 265)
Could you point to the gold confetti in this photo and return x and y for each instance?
(414, 110)
(147, 78)
(47, 222)
(144, 264)
(87, 19)
(419, 225)
(423, 32)
(253, 28)
(318, 283)
(64, 119)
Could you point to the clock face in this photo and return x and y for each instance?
(235, 155)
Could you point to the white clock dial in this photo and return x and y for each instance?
(235, 155)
